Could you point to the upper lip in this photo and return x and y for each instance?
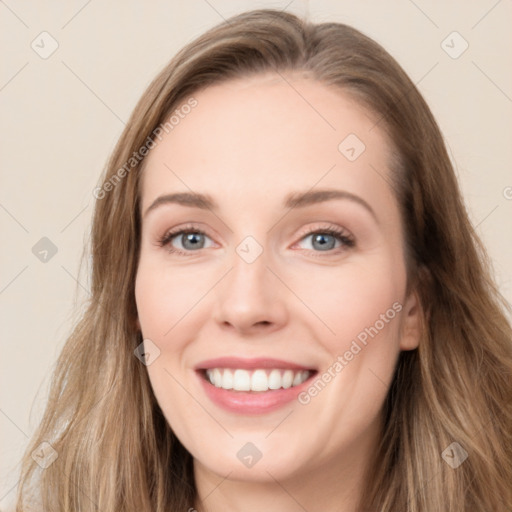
(249, 364)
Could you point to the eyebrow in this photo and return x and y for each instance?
(293, 200)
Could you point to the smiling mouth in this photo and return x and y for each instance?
(257, 380)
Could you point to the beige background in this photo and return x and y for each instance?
(62, 115)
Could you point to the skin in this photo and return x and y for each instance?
(249, 143)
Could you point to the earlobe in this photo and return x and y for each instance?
(411, 323)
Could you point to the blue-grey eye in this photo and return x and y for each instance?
(323, 241)
(192, 240)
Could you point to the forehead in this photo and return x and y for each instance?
(262, 136)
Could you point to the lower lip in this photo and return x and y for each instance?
(250, 402)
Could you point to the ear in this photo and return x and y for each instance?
(411, 322)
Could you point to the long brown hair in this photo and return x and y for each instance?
(115, 450)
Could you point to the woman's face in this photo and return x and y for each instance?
(292, 269)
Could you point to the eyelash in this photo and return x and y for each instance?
(347, 241)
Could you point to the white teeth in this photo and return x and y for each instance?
(241, 380)
(259, 381)
(255, 380)
(274, 379)
(227, 379)
(217, 378)
(287, 379)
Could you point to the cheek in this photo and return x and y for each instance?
(165, 295)
(359, 306)
(163, 298)
(353, 297)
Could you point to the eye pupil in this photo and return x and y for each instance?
(192, 238)
(321, 239)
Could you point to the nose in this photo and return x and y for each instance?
(251, 298)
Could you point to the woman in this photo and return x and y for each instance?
(336, 342)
